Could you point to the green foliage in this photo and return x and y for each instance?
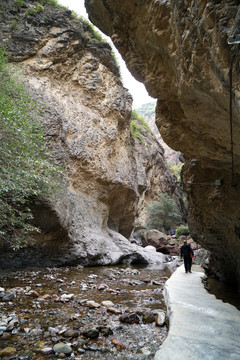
(19, 3)
(30, 11)
(134, 128)
(14, 25)
(163, 213)
(182, 230)
(176, 170)
(39, 7)
(138, 126)
(25, 171)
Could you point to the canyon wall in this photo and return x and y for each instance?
(86, 114)
(179, 50)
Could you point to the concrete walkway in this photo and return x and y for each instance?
(201, 326)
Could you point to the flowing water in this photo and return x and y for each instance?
(51, 307)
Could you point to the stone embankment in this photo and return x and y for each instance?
(201, 327)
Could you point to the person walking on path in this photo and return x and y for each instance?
(186, 254)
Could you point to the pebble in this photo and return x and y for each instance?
(115, 311)
(92, 304)
(7, 351)
(129, 318)
(62, 348)
(146, 351)
(46, 350)
(148, 317)
(118, 344)
(91, 333)
(160, 318)
(107, 303)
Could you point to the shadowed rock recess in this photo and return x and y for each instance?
(179, 50)
(86, 114)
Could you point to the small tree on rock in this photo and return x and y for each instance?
(163, 213)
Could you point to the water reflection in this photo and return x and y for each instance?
(223, 291)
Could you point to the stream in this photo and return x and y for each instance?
(95, 312)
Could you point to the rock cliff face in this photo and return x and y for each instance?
(86, 114)
(148, 111)
(179, 50)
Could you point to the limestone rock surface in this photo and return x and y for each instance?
(179, 50)
(86, 114)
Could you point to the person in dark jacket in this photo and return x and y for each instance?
(186, 254)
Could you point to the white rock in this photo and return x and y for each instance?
(107, 303)
(160, 317)
(92, 304)
(150, 248)
(66, 297)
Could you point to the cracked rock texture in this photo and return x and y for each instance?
(86, 116)
(179, 50)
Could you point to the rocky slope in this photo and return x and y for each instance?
(86, 114)
(179, 50)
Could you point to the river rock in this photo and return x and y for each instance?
(107, 303)
(160, 317)
(91, 333)
(12, 324)
(66, 297)
(92, 304)
(32, 293)
(154, 238)
(145, 351)
(9, 295)
(103, 287)
(105, 330)
(130, 318)
(118, 344)
(46, 351)
(71, 333)
(8, 351)
(6, 336)
(62, 348)
(148, 317)
(115, 311)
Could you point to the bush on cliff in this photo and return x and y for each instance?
(139, 127)
(25, 171)
(163, 213)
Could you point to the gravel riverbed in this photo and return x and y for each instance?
(82, 313)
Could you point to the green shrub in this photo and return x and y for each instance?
(30, 11)
(25, 171)
(19, 3)
(138, 126)
(134, 128)
(14, 25)
(163, 213)
(182, 230)
(39, 7)
(176, 170)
